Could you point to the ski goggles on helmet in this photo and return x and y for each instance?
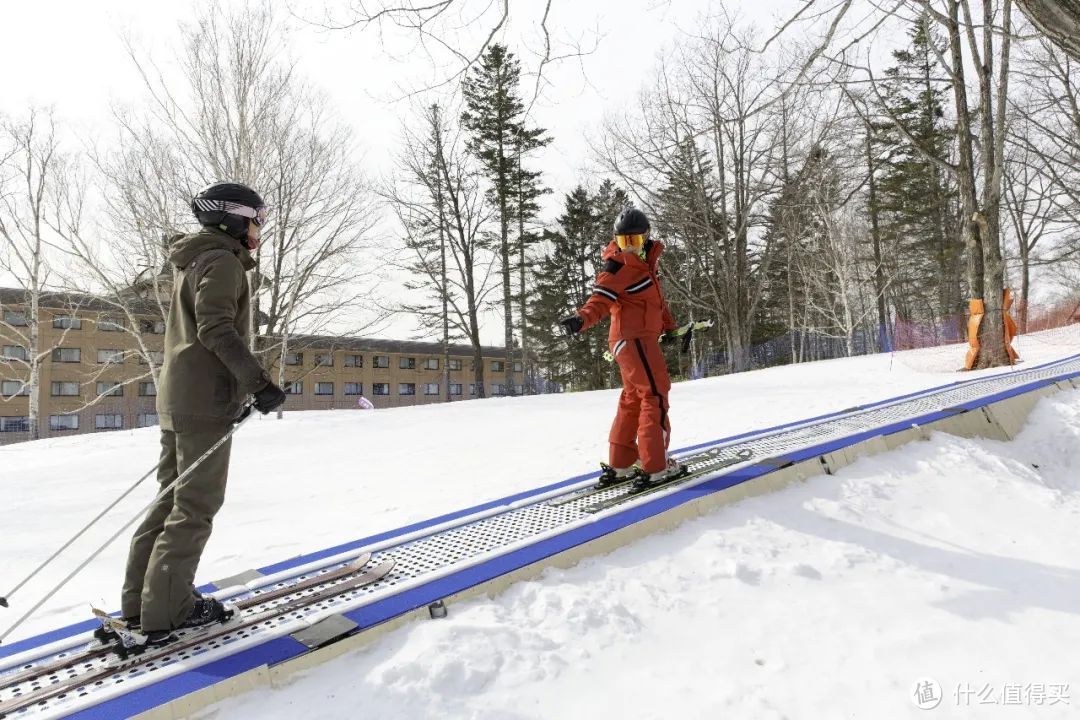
(256, 215)
(635, 240)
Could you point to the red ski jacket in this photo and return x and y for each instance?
(629, 288)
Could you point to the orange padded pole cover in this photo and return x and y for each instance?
(975, 316)
(1010, 326)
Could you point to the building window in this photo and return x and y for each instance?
(63, 422)
(14, 388)
(455, 388)
(380, 361)
(147, 389)
(294, 358)
(498, 389)
(65, 389)
(107, 324)
(519, 389)
(67, 323)
(325, 360)
(67, 355)
(14, 424)
(431, 364)
(354, 361)
(110, 389)
(380, 389)
(497, 365)
(156, 356)
(454, 364)
(431, 389)
(517, 366)
(14, 352)
(354, 388)
(294, 387)
(152, 327)
(15, 318)
(324, 388)
(406, 363)
(146, 420)
(109, 422)
(406, 389)
(110, 355)
(472, 388)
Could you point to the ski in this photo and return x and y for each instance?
(105, 645)
(366, 577)
(741, 457)
(587, 492)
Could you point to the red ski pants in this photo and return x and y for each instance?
(641, 427)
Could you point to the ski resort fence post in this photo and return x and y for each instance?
(244, 416)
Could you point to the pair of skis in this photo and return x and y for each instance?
(310, 591)
(706, 462)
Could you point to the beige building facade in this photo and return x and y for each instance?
(97, 368)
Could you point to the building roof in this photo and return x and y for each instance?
(78, 301)
(362, 344)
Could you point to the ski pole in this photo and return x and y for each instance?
(76, 536)
(244, 417)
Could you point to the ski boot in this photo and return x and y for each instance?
(205, 611)
(644, 480)
(613, 476)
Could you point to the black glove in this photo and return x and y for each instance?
(668, 337)
(572, 325)
(271, 397)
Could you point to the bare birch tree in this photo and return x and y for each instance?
(443, 212)
(240, 112)
(31, 167)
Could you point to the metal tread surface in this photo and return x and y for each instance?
(476, 539)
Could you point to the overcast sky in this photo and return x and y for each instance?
(70, 54)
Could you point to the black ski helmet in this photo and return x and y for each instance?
(631, 221)
(229, 206)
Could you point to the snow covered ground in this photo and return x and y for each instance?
(952, 560)
(955, 560)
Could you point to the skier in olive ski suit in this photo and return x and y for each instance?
(628, 287)
(207, 375)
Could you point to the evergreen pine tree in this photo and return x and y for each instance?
(499, 138)
(914, 198)
(563, 280)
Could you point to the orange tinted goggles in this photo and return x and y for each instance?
(637, 240)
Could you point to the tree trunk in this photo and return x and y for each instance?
(875, 235)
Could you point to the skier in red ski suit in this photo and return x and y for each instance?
(629, 289)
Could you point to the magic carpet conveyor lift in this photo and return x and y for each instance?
(301, 612)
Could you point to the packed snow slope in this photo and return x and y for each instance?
(316, 479)
(953, 560)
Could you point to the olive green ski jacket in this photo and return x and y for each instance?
(208, 370)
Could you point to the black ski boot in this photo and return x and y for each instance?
(206, 611)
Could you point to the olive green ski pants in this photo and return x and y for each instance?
(159, 582)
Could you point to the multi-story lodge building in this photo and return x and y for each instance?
(98, 365)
